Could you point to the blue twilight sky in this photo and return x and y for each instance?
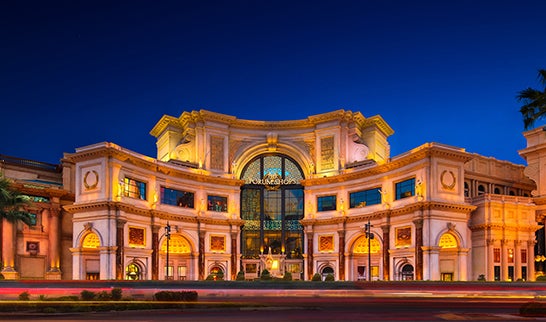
(74, 73)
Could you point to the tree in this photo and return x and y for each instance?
(534, 102)
(12, 203)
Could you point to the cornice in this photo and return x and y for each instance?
(428, 150)
(110, 150)
(408, 209)
(149, 213)
(164, 123)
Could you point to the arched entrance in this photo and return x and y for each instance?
(91, 256)
(133, 271)
(326, 271)
(272, 204)
(361, 247)
(406, 273)
(179, 257)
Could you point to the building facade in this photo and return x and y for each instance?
(319, 195)
(41, 250)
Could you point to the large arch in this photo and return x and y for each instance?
(296, 153)
(272, 205)
(359, 248)
(181, 261)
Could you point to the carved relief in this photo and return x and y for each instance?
(217, 152)
(136, 236)
(403, 237)
(217, 243)
(327, 153)
(326, 243)
(90, 180)
(448, 180)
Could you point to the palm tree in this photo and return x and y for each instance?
(12, 203)
(534, 101)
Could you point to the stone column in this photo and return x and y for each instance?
(517, 260)
(433, 263)
(201, 259)
(120, 234)
(490, 261)
(309, 255)
(54, 272)
(234, 265)
(341, 255)
(108, 262)
(463, 264)
(531, 260)
(504, 261)
(8, 250)
(386, 246)
(418, 249)
(155, 252)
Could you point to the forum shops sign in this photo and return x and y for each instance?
(272, 181)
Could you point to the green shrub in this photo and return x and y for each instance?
(103, 296)
(481, 278)
(541, 278)
(25, 296)
(116, 294)
(240, 276)
(287, 276)
(187, 296)
(316, 277)
(210, 277)
(266, 276)
(87, 295)
(329, 278)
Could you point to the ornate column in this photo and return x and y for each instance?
(120, 225)
(155, 252)
(418, 249)
(341, 255)
(517, 259)
(490, 262)
(54, 272)
(386, 246)
(8, 250)
(531, 260)
(504, 260)
(234, 265)
(201, 260)
(310, 255)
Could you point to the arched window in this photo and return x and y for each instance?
(497, 191)
(481, 190)
(361, 246)
(272, 204)
(177, 245)
(447, 240)
(407, 272)
(326, 271)
(133, 272)
(91, 240)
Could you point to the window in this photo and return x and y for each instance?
(178, 198)
(466, 190)
(496, 255)
(217, 203)
(481, 190)
(33, 219)
(524, 256)
(134, 189)
(364, 198)
(326, 203)
(405, 189)
(510, 255)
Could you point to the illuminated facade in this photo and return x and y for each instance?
(41, 250)
(294, 196)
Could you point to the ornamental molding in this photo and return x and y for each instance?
(418, 157)
(112, 151)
